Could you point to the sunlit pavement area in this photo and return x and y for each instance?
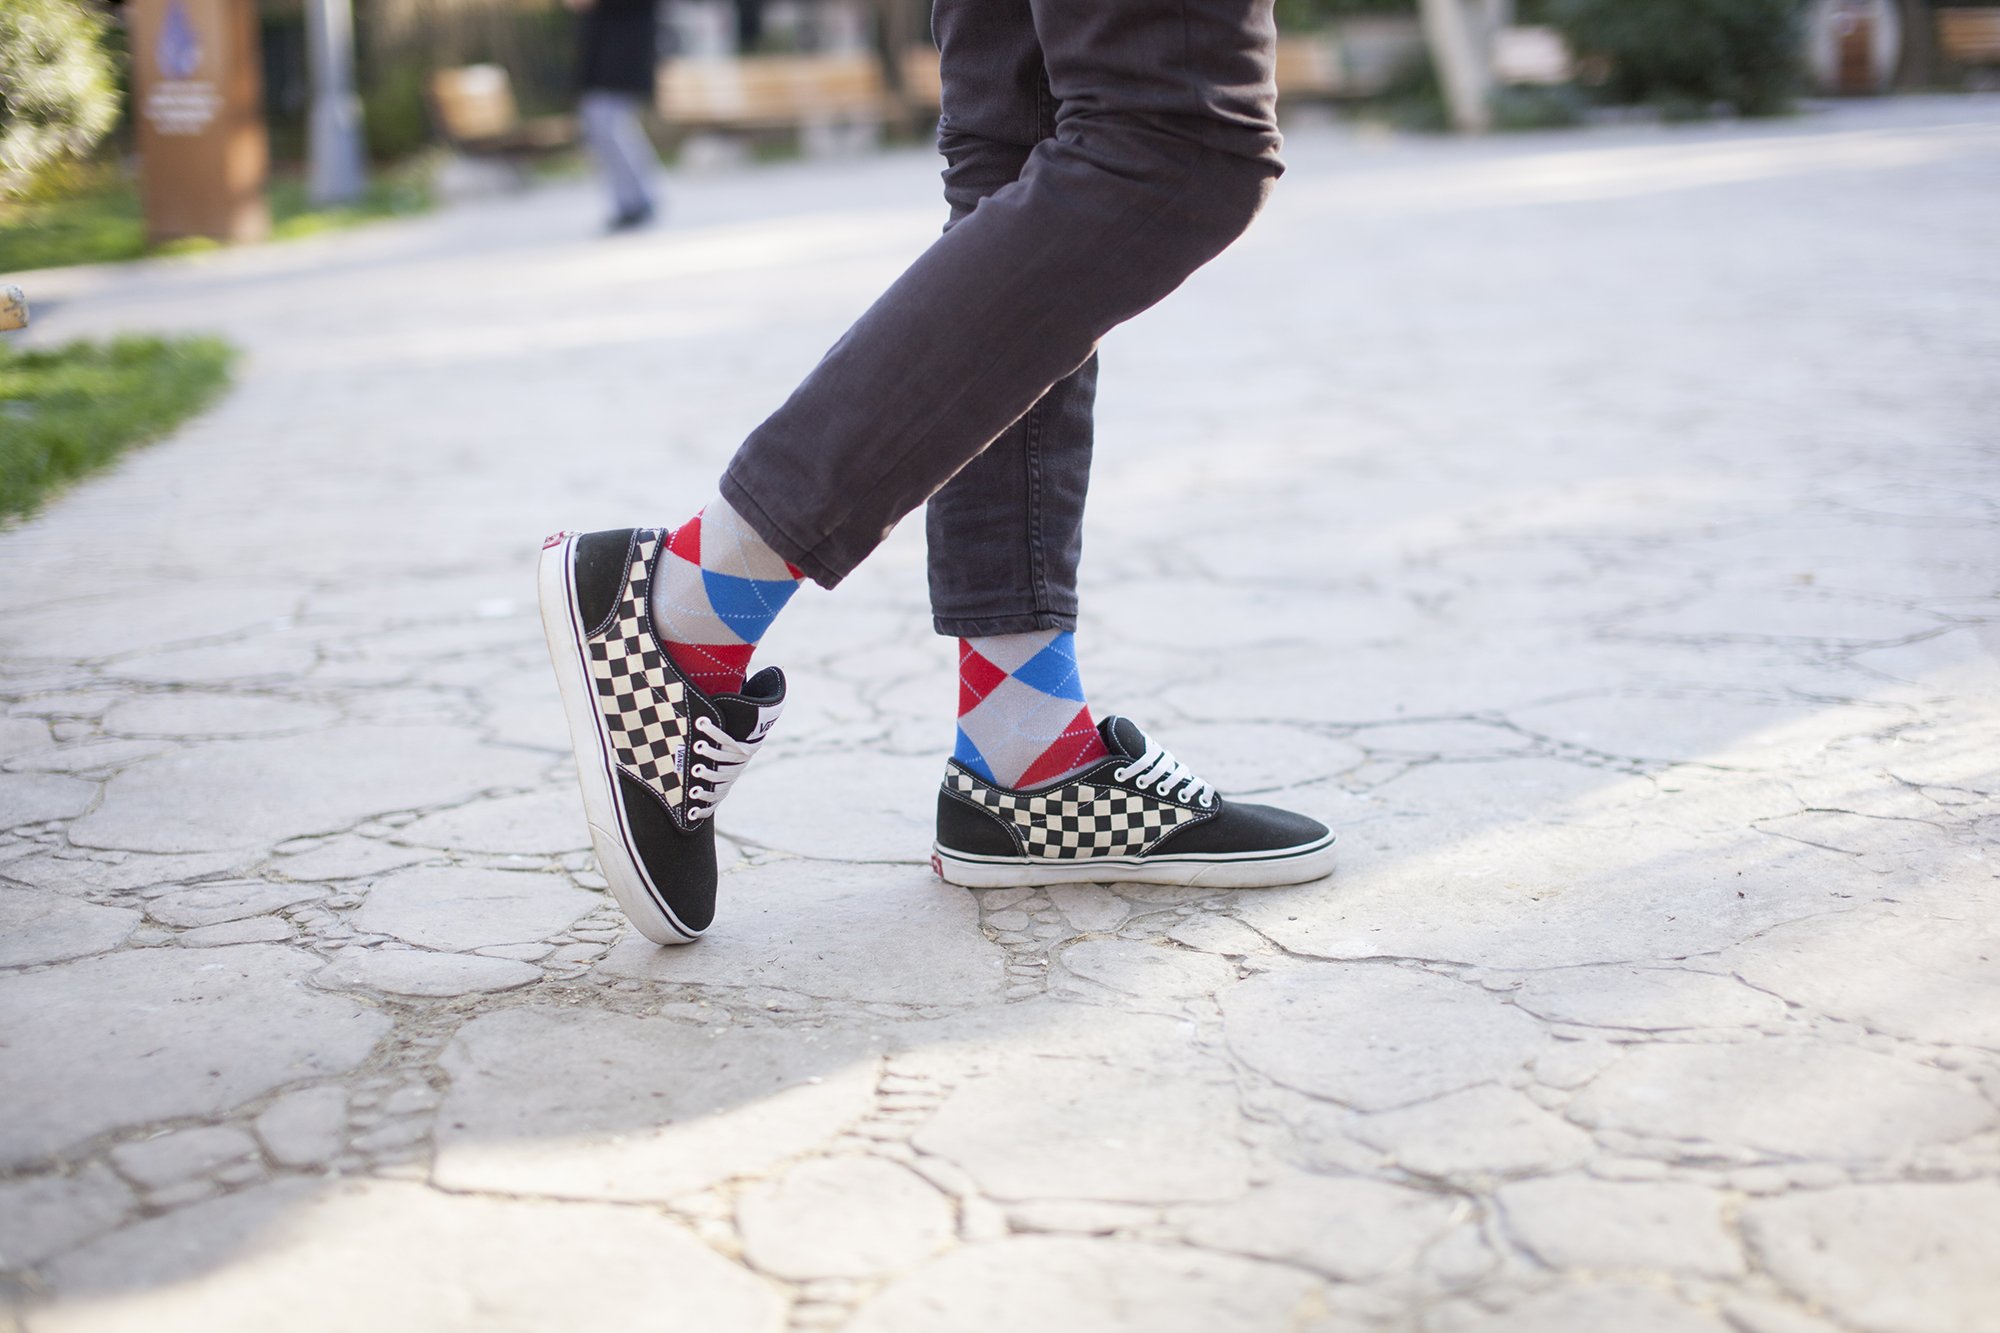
(1600, 530)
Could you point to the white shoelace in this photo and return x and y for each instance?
(712, 742)
(1157, 767)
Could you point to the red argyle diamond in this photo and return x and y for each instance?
(1078, 746)
(977, 678)
(686, 541)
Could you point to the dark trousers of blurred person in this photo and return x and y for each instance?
(616, 66)
(1097, 153)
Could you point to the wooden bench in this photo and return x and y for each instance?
(474, 109)
(774, 92)
(1969, 37)
(923, 81)
(1356, 57)
(1311, 66)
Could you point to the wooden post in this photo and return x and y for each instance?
(197, 104)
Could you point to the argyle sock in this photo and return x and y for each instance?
(716, 590)
(1022, 719)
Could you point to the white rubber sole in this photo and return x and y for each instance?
(610, 837)
(1220, 870)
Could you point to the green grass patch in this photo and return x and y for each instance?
(66, 411)
(97, 218)
(394, 193)
(94, 218)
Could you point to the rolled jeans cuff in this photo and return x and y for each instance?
(807, 557)
(973, 627)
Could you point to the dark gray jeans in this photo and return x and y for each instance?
(1098, 152)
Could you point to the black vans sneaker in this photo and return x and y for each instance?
(654, 754)
(1138, 816)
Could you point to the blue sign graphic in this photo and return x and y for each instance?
(178, 51)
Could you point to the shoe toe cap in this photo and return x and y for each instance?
(680, 866)
(1242, 827)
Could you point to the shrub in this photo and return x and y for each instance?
(58, 94)
(1686, 55)
(1532, 107)
(393, 115)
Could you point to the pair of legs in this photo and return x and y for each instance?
(624, 156)
(1098, 153)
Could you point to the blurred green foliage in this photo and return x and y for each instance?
(1536, 107)
(1685, 56)
(393, 114)
(95, 217)
(92, 215)
(1301, 15)
(1415, 101)
(58, 88)
(393, 192)
(69, 410)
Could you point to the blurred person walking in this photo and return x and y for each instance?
(1096, 155)
(617, 60)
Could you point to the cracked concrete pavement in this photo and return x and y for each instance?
(1598, 529)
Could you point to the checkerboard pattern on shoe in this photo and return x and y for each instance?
(1077, 819)
(1022, 719)
(644, 707)
(1138, 816)
(717, 591)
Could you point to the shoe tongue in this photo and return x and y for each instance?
(1122, 736)
(749, 713)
